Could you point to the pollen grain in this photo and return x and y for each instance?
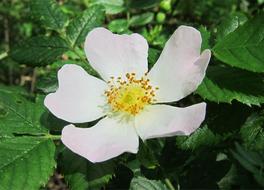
(130, 95)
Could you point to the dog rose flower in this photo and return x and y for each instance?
(129, 98)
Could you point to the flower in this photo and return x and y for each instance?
(129, 99)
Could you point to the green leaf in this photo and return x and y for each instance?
(252, 132)
(19, 115)
(252, 161)
(49, 14)
(77, 181)
(229, 24)
(47, 83)
(146, 156)
(205, 38)
(153, 55)
(225, 84)
(202, 137)
(141, 20)
(80, 26)
(237, 177)
(119, 26)
(134, 166)
(142, 4)
(244, 47)
(111, 6)
(25, 162)
(13, 90)
(40, 50)
(229, 179)
(96, 175)
(146, 184)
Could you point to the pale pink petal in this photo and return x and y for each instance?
(79, 97)
(107, 139)
(180, 68)
(165, 121)
(115, 55)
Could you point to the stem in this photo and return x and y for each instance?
(127, 9)
(53, 137)
(76, 53)
(33, 81)
(169, 184)
(128, 16)
(7, 46)
(71, 46)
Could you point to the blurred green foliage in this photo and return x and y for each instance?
(227, 152)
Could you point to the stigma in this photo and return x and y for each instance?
(130, 95)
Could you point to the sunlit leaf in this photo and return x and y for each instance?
(244, 47)
(25, 162)
(144, 183)
(19, 115)
(80, 26)
(225, 84)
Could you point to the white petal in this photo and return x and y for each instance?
(107, 139)
(79, 97)
(180, 68)
(115, 55)
(165, 121)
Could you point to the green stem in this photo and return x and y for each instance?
(72, 47)
(128, 16)
(169, 184)
(76, 53)
(53, 137)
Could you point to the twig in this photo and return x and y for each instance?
(169, 184)
(33, 80)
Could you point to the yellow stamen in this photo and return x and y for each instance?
(131, 95)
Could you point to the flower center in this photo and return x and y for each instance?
(130, 95)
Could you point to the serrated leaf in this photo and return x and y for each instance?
(19, 115)
(77, 181)
(49, 14)
(140, 20)
(111, 6)
(250, 160)
(202, 137)
(225, 84)
(40, 50)
(252, 132)
(205, 38)
(243, 48)
(229, 24)
(80, 26)
(146, 184)
(25, 162)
